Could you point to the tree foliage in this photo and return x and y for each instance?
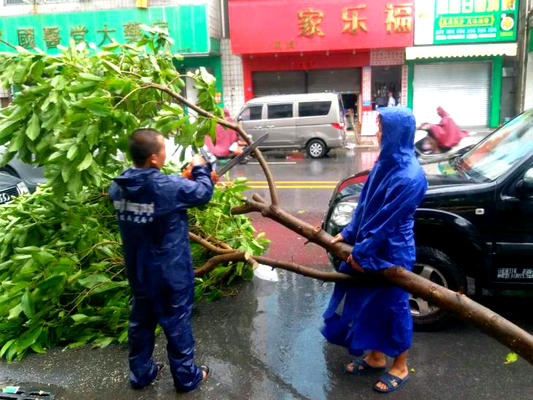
(61, 267)
(72, 112)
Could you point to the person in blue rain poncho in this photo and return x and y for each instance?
(378, 319)
(152, 216)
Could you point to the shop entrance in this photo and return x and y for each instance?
(346, 81)
(384, 80)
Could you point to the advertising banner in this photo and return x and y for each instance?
(186, 24)
(280, 26)
(465, 21)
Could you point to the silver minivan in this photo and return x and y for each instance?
(313, 121)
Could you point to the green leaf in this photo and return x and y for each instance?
(6, 346)
(86, 162)
(27, 304)
(15, 312)
(72, 153)
(79, 318)
(93, 280)
(28, 338)
(511, 358)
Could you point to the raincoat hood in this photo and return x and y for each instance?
(398, 134)
(442, 113)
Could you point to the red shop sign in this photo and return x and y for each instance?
(281, 26)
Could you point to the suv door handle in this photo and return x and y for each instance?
(270, 126)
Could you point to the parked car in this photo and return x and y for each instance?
(313, 121)
(10, 187)
(32, 175)
(476, 219)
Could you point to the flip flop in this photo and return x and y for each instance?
(361, 367)
(389, 380)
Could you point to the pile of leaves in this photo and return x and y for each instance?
(62, 274)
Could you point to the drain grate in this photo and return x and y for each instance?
(22, 393)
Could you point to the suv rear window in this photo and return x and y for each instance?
(279, 111)
(251, 113)
(314, 108)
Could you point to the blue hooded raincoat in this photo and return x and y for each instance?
(381, 232)
(151, 211)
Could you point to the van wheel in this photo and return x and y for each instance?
(316, 148)
(435, 265)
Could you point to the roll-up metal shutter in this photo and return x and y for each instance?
(346, 80)
(462, 89)
(279, 82)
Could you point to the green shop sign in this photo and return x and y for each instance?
(475, 21)
(186, 24)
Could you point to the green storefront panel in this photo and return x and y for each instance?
(186, 24)
(475, 21)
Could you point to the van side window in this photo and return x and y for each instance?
(313, 108)
(251, 113)
(279, 111)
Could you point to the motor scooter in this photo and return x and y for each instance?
(425, 154)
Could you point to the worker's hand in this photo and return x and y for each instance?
(197, 159)
(354, 264)
(337, 238)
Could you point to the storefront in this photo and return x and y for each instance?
(355, 48)
(186, 24)
(458, 59)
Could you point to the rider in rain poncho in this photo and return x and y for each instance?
(378, 319)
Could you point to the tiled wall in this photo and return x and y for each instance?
(232, 80)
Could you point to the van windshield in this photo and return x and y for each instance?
(501, 150)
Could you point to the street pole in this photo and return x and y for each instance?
(522, 33)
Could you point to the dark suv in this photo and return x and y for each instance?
(476, 219)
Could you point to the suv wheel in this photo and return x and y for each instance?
(436, 266)
(316, 148)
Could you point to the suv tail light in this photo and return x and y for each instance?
(338, 126)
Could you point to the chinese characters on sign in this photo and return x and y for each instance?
(132, 32)
(398, 19)
(352, 20)
(78, 33)
(51, 36)
(309, 22)
(26, 38)
(106, 33)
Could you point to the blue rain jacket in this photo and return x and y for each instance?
(151, 211)
(381, 232)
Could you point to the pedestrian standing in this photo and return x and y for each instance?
(392, 101)
(378, 319)
(152, 216)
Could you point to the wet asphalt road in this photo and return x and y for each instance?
(264, 342)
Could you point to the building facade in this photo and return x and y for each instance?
(353, 47)
(464, 59)
(195, 26)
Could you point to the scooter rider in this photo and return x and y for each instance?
(151, 211)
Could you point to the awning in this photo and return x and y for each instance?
(461, 50)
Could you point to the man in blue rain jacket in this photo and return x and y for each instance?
(378, 319)
(151, 211)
